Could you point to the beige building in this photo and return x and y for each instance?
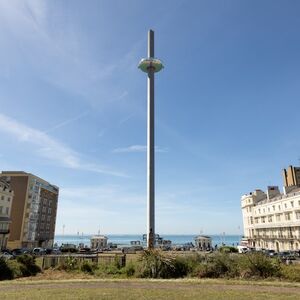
(291, 176)
(272, 219)
(203, 242)
(33, 211)
(6, 199)
(99, 242)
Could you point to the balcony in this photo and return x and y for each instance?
(276, 237)
(4, 231)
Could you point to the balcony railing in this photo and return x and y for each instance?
(4, 231)
(277, 237)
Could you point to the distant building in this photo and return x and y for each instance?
(272, 219)
(291, 176)
(6, 199)
(203, 242)
(99, 242)
(33, 211)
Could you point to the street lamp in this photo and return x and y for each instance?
(150, 65)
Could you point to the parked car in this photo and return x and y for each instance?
(85, 250)
(68, 248)
(242, 249)
(284, 255)
(55, 251)
(6, 255)
(271, 253)
(38, 251)
(17, 252)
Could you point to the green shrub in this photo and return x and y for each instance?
(15, 267)
(228, 249)
(107, 269)
(192, 263)
(179, 269)
(291, 272)
(87, 267)
(258, 265)
(218, 265)
(69, 264)
(27, 265)
(155, 264)
(129, 269)
(5, 271)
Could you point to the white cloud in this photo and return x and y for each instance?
(54, 46)
(50, 148)
(138, 148)
(67, 122)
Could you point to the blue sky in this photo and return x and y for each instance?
(73, 107)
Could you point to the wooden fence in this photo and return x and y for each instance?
(51, 261)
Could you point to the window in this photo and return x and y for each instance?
(285, 205)
(270, 219)
(263, 219)
(297, 214)
(273, 207)
(292, 203)
(278, 218)
(7, 210)
(279, 207)
(2, 197)
(288, 217)
(8, 199)
(49, 211)
(1, 207)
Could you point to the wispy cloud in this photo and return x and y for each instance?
(138, 148)
(67, 122)
(52, 45)
(50, 148)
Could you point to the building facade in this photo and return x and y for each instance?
(6, 199)
(291, 176)
(99, 242)
(272, 219)
(33, 211)
(203, 242)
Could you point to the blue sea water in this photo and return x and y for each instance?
(124, 239)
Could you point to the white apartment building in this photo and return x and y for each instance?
(272, 219)
(6, 198)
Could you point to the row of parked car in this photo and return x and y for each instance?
(10, 254)
(284, 255)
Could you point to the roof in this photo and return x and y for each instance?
(99, 237)
(202, 237)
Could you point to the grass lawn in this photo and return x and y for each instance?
(147, 289)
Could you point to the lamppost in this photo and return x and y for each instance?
(150, 65)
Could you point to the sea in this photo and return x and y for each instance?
(123, 240)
